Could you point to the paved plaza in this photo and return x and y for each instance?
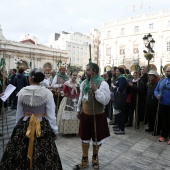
(136, 150)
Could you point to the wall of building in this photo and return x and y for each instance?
(39, 55)
(122, 37)
(77, 47)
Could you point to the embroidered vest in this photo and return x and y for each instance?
(92, 106)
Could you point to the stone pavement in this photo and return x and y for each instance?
(136, 150)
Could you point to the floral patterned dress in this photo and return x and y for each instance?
(33, 100)
(67, 115)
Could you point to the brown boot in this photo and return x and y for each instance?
(84, 164)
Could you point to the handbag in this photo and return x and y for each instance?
(119, 100)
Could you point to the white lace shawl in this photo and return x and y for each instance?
(34, 96)
(72, 85)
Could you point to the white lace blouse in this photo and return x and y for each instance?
(34, 96)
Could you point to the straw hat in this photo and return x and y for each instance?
(153, 72)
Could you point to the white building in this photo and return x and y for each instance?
(122, 41)
(95, 37)
(77, 46)
(31, 53)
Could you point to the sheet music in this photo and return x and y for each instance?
(8, 91)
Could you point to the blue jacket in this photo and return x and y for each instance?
(121, 85)
(163, 88)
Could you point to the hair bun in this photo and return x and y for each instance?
(38, 77)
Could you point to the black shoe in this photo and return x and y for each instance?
(12, 107)
(119, 132)
(116, 129)
(149, 130)
(111, 122)
(115, 126)
(128, 125)
(114, 123)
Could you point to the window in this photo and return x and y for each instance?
(69, 45)
(168, 46)
(168, 24)
(135, 50)
(151, 26)
(122, 31)
(108, 34)
(122, 50)
(136, 28)
(108, 51)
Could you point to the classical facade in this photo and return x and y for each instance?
(77, 46)
(32, 54)
(122, 41)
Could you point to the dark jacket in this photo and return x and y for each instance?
(12, 79)
(20, 82)
(151, 99)
(141, 89)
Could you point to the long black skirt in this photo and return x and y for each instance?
(45, 154)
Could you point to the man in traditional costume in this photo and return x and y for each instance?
(94, 95)
(53, 74)
(58, 83)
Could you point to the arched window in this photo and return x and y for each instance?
(47, 67)
(23, 65)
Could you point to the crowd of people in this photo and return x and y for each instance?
(146, 101)
(48, 103)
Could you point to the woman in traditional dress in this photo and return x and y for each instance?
(32, 143)
(67, 115)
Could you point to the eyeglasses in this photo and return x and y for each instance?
(167, 71)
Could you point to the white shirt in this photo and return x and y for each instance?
(54, 85)
(45, 83)
(50, 111)
(102, 94)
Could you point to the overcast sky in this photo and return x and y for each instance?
(43, 17)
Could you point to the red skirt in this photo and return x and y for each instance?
(86, 128)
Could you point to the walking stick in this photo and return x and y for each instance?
(136, 110)
(156, 120)
(58, 97)
(94, 111)
(137, 99)
(145, 113)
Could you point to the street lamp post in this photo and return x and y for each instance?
(149, 43)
